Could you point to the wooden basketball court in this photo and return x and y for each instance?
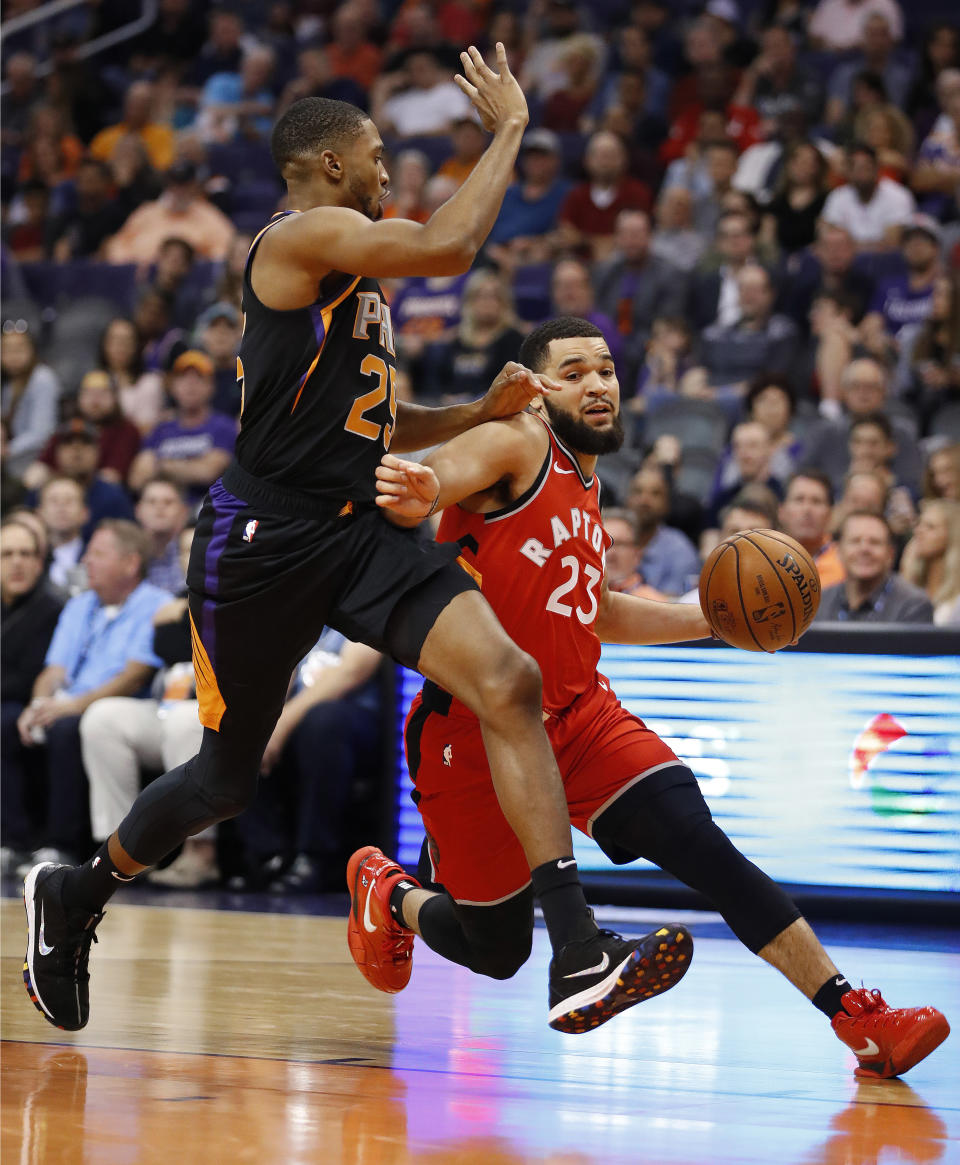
(225, 1037)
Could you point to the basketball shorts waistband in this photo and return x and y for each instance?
(291, 503)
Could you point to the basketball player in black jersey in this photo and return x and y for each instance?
(290, 539)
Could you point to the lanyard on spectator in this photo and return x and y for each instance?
(103, 618)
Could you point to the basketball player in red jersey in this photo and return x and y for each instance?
(290, 539)
(521, 499)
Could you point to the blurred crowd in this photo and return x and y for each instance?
(758, 203)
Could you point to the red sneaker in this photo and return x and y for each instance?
(887, 1041)
(381, 948)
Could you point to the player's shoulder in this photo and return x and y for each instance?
(521, 435)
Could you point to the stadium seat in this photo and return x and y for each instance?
(53, 284)
(531, 291)
(82, 322)
(696, 473)
(697, 424)
(240, 161)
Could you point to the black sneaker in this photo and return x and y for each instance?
(58, 948)
(593, 980)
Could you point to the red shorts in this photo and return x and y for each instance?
(601, 750)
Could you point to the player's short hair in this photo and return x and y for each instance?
(536, 347)
(311, 125)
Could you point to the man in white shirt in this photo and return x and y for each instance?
(873, 209)
(430, 105)
(837, 25)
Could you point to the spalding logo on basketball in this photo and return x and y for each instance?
(759, 590)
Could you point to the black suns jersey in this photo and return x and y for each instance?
(318, 388)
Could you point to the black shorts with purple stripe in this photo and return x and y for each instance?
(268, 572)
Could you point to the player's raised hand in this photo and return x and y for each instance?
(407, 489)
(497, 97)
(514, 388)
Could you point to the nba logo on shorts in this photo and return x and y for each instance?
(250, 529)
(448, 755)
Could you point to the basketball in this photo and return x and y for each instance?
(759, 590)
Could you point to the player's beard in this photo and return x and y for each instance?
(581, 437)
(370, 204)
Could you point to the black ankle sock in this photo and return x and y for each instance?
(565, 910)
(397, 895)
(828, 998)
(92, 885)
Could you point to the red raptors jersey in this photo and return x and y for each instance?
(540, 566)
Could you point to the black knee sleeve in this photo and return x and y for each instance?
(218, 783)
(670, 824)
(490, 940)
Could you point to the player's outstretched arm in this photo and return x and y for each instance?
(632, 619)
(421, 427)
(474, 462)
(339, 239)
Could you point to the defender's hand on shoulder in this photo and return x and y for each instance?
(514, 388)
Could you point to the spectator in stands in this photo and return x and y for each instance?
(752, 507)
(907, 297)
(98, 405)
(936, 176)
(80, 232)
(633, 286)
(668, 559)
(571, 294)
(667, 358)
(229, 285)
(622, 560)
(28, 221)
(76, 454)
(316, 78)
(928, 373)
(871, 592)
(134, 180)
(28, 615)
(182, 211)
(51, 153)
(142, 395)
(774, 83)
(674, 239)
(102, 646)
(829, 267)
(29, 397)
(746, 461)
(771, 402)
(589, 214)
(162, 515)
(867, 490)
(239, 105)
(408, 182)
(469, 141)
(549, 28)
(425, 309)
(760, 339)
(872, 446)
(333, 712)
(122, 735)
(138, 122)
(838, 25)
(531, 206)
(863, 388)
(161, 340)
(714, 293)
(23, 93)
(196, 445)
(580, 61)
(940, 51)
(222, 51)
(931, 559)
(62, 508)
(941, 477)
(171, 277)
(872, 209)
(486, 338)
(715, 94)
(352, 53)
(419, 100)
(805, 514)
(218, 331)
(792, 215)
(876, 55)
(627, 114)
(890, 135)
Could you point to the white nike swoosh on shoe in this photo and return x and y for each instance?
(41, 945)
(368, 924)
(556, 466)
(597, 970)
(870, 1050)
